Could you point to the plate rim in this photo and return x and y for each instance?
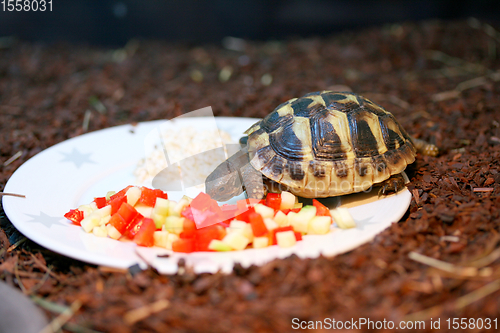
(69, 251)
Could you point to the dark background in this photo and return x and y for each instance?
(114, 22)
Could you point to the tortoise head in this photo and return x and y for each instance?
(224, 182)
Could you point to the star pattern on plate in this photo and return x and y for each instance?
(364, 223)
(45, 219)
(77, 158)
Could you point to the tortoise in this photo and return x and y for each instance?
(322, 144)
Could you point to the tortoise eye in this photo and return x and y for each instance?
(221, 189)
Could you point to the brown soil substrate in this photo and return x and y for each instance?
(440, 79)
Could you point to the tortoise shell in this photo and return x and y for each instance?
(329, 143)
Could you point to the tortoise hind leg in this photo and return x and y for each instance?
(425, 148)
(392, 185)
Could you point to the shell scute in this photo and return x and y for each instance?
(292, 141)
(305, 107)
(364, 130)
(391, 132)
(343, 102)
(262, 157)
(274, 121)
(275, 168)
(327, 144)
(374, 108)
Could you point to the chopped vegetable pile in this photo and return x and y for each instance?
(149, 218)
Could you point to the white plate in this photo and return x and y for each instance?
(77, 170)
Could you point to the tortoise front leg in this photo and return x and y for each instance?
(253, 183)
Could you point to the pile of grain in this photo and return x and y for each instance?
(186, 153)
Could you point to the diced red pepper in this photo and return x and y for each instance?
(248, 202)
(188, 225)
(205, 211)
(187, 234)
(183, 245)
(188, 229)
(134, 226)
(160, 194)
(148, 197)
(273, 200)
(116, 203)
(295, 210)
(187, 213)
(203, 202)
(241, 205)
(225, 223)
(119, 223)
(120, 194)
(205, 235)
(145, 235)
(215, 231)
(127, 212)
(229, 212)
(258, 226)
(271, 238)
(100, 202)
(75, 216)
(205, 218)
(244, 216)
(202, 245)
(253, 202)
(321, 210)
